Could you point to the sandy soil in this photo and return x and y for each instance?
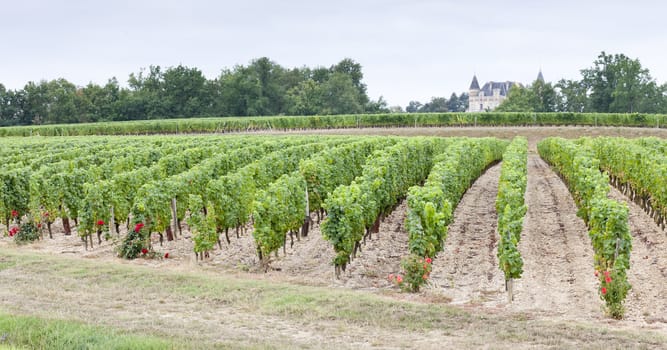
(466, 271)
(558, 257)
(381, 255)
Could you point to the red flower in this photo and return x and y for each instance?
(425, 277)
(46, 214)
(429, 260)
(399, 279)
(166, 255)
(100, 222)
(604, 290)
(144, 251)
(607, 279)
(15, 213)
(39, 225)
(13, 231)
(606, 273)
(391, 277)
(596, 273)
(138, 227)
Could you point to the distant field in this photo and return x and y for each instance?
(404, 120)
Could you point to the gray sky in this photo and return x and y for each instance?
(409, 50)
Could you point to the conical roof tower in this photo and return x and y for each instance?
(474, 85)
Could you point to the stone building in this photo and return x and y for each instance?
(490, 95)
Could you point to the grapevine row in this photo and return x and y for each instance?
(236, 124)
(228, 201)
(639, 172)
(607, 219)
(357, 208)
(282, 207)
(511, 208)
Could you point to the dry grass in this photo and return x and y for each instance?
(203, 309)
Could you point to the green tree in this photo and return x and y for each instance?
(453, 103)
(353, 70)
(519, 99)
(571, 96)
(437, 104)
(340, 95)
(413, 107)
(463, 102)
(304, 99)
(185, 92)
(545, 96)
(379, 106)
(618, 84)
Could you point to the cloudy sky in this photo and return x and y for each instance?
(409, 50)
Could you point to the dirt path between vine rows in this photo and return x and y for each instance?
(558, 268)
(646, 302)
(466, 271)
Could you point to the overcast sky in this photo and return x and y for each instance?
(409, 50)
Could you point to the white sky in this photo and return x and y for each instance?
(409, 50)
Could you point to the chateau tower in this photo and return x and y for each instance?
(474, 87)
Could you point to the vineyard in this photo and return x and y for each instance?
(349, 121)
(569, 227)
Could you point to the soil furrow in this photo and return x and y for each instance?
(467, 269)
(557, 253)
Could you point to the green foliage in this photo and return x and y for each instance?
(607, 219)
(335, 167)
(416, 271)
(440, 104)
(282, 206)
(385, 179)
(261, 88)
(430, 207)
(619, 84)
(30, 332)
(510, 206)
(204, 228)
(277, 210)
(27, 232)
(208, 125)
(537, 97)
(15, 194)
(639, 167)
(137, 240)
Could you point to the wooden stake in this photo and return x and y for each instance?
(112, 222)
(510, 290)
(174, 215)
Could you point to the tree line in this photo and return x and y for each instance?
(439, 104)
(263, 87)
(614, 84)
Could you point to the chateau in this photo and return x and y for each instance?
(490, 95)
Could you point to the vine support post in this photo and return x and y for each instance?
(510, 290)
(112, 222)
(174, 216)
(306, 221)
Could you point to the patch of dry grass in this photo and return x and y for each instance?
(204, 309)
